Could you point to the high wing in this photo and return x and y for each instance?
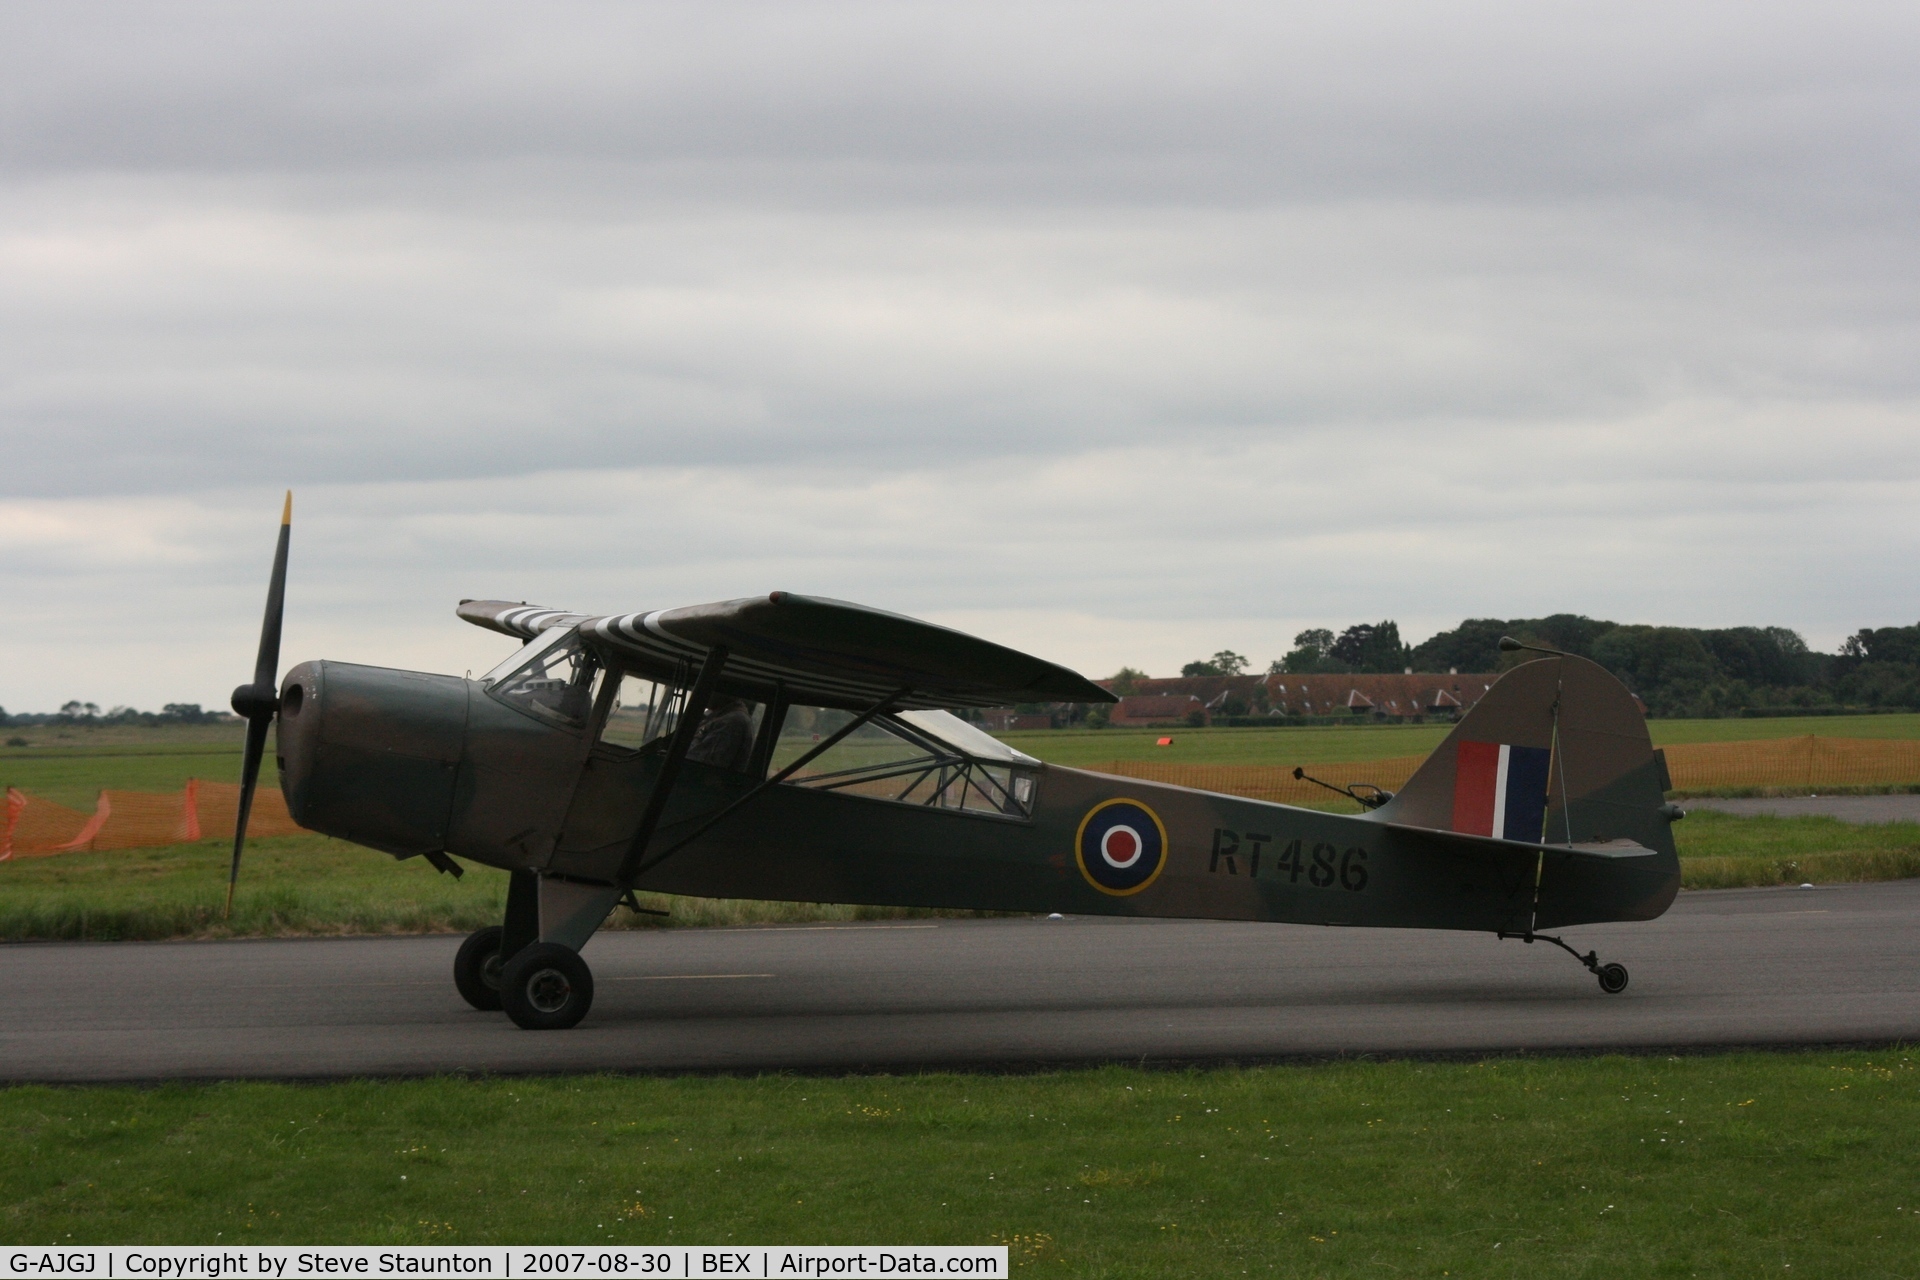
(811, 650)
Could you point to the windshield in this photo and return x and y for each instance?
(555, 683)
(545, 640)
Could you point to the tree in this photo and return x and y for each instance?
(1880, 667)
(1668, 667)
(1224, 663)
(1127, 681)
(1312, 651)
(1317, 639)
(1371, 647)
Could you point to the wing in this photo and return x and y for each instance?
(815, 651)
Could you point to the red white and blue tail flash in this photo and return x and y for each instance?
(1501, 791)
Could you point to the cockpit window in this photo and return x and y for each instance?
(555, 683)
(908, 761)
(643, 711)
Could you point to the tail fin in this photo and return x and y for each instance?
(1555, 753)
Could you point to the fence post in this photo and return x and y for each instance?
(190, 812)
(16, 801)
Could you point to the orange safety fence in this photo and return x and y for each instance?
(35, 828)
(1810, 762)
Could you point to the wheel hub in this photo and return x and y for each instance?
(548, 990)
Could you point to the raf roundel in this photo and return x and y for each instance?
(1121, 847)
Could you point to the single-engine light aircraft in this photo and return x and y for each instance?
(789, 747)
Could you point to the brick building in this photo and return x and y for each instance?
(1141, 709)
(1169, 700)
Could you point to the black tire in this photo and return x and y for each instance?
(476, 969)
(1613, 978)
(547, 987)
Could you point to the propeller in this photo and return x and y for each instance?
(260, 701)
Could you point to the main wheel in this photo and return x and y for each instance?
(1613, 978)
(476, 969)
(547, 987)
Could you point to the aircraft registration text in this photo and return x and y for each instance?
(1322, 865)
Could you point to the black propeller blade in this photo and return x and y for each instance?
(259, 701)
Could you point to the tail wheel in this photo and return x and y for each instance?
(1613, 978)
(476, 969)
(547, 987)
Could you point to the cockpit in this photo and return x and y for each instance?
(930, 758)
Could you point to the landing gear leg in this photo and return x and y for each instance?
(1613, 977)
(482, 957)
(544, 985)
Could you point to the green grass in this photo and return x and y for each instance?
(69, 765)
(305, 885)
(1666, 732)
(1728, 851)
(1727, 1165)
(1279, 746)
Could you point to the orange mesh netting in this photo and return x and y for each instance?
(1810, 762)
(137, 819)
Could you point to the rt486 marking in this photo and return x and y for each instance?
(1323, 865)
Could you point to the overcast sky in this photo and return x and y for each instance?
(1119, 333)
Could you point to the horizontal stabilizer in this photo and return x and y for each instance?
(1594, 849)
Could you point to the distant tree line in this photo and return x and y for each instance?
(1677, 671)
(89, 713)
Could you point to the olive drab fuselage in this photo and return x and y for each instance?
(412, 763)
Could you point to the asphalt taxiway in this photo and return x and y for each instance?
(1761, 967)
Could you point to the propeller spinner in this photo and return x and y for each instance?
(260, 701)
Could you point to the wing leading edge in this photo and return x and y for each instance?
(817, 651)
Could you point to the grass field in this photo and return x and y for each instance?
(1748, 1164)
(299, 885)
(1367, 741)
(69, 765)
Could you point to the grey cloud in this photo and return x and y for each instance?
(1076, 101)
(1092, 318)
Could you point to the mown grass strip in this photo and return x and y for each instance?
(1744, 1164)
(298, 886)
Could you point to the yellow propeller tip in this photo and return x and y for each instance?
(286, 512)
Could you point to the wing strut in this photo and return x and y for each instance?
(878, 708)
